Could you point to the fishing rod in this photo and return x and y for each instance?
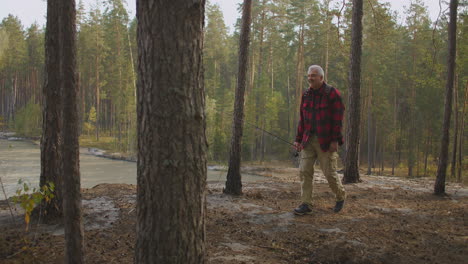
(295, 154)
(273, 135)
(259, 128)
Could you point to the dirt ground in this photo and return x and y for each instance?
(385, 220)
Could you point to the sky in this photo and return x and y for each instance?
(30, 11)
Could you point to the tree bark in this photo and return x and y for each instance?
(234, 182)
(96, 87)
(370, 140)
(439, 186)
(455, 132)
(259, 134)
(172, 145)
(351, 173)
(51, 140)
(394, 129)
(299, 71)
(70, 149)
(462, 135)
(427, 150)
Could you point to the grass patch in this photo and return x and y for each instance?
(107, 143)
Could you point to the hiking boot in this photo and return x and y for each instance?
(338, 206)
(302, 209)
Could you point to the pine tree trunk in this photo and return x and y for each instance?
(51, 140)
(394, 131)
(260, 134)
(299, 71)
(96, 89)
(327, 41)
(462, 135)
(370, 141)
(375, 147)
(351, 173)
(455, 132)
(233, 182)
(289, 108)
(172, 145)
(439, 186)
(382, 160)
(427, 151)
(70, 149)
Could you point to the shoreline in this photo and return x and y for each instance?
(257, 170)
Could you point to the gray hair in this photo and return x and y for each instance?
(317, 68)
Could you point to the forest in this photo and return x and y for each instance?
(173, 90)
(402, 79)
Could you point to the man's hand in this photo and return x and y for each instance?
(298, 146)
(333, 146)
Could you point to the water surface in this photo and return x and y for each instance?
(21, 160)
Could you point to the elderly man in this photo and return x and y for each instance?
(318, 136)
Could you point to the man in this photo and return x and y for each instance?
(318, 136)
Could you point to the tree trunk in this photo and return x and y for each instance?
(351, 172)
(462, 135)
(455, 133)
(410, 128)
(172, 145)
(70, 149)
(394, 129)
(439, 186)
(375, 147)
(382, 160)
(327, 41)
(370, 141)
(51, 140)
(299, 71)
(259, 134)
(289, 108)
(233, 182)
(427, 151)
(96, 87)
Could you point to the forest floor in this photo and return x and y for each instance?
(385, 220)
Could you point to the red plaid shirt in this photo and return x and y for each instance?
(322, 115)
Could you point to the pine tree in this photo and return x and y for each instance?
(234, 182)
(172, 145)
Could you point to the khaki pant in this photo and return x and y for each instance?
(327, 160)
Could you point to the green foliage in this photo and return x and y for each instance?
(29, 198)
(3, 41)
(90, 124)
(28, 120)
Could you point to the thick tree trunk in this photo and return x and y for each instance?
(51, 141)
(70, 149)
(439, 186)
(172, 145)
(233, 182)
(351, 172)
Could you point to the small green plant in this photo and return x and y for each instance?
(28, 198)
